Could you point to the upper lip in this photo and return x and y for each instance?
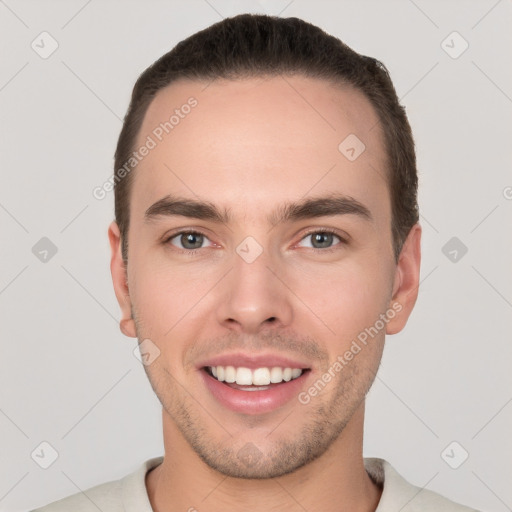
(254, 361)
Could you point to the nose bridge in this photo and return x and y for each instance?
(252, 296)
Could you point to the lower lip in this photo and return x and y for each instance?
(254, 402)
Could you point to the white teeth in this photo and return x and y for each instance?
(258, 377)
(243, 377)
(296, 372)
(276, 375)
(230, 374)
(261, 377)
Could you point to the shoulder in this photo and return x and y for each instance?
(399, 494)
(106, 497)
(128, 494)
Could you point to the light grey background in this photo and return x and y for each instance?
(69, 377)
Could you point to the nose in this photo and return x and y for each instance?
(252, 298)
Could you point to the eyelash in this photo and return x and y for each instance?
(192, 252)
(328, 231)
(188, 252)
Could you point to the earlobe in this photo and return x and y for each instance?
(120, 281)
(406, 283)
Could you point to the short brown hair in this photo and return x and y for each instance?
(258, 45)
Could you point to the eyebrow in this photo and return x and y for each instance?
(334, 204)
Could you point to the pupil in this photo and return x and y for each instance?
(322, 239)
(191, 241)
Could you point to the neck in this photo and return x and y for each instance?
(335, 481)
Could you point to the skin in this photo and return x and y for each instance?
(248, 147)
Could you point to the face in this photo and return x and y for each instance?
(260, 267)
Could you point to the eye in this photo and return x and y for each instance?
(189, 240)
(320, 240)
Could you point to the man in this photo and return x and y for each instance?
(266, 239)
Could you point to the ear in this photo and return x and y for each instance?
(407, 279)
(120, 280)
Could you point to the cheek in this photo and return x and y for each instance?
(167, 297)
(347, 298)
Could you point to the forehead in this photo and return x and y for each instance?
(242, 142)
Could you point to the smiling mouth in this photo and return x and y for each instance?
(258, 379)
